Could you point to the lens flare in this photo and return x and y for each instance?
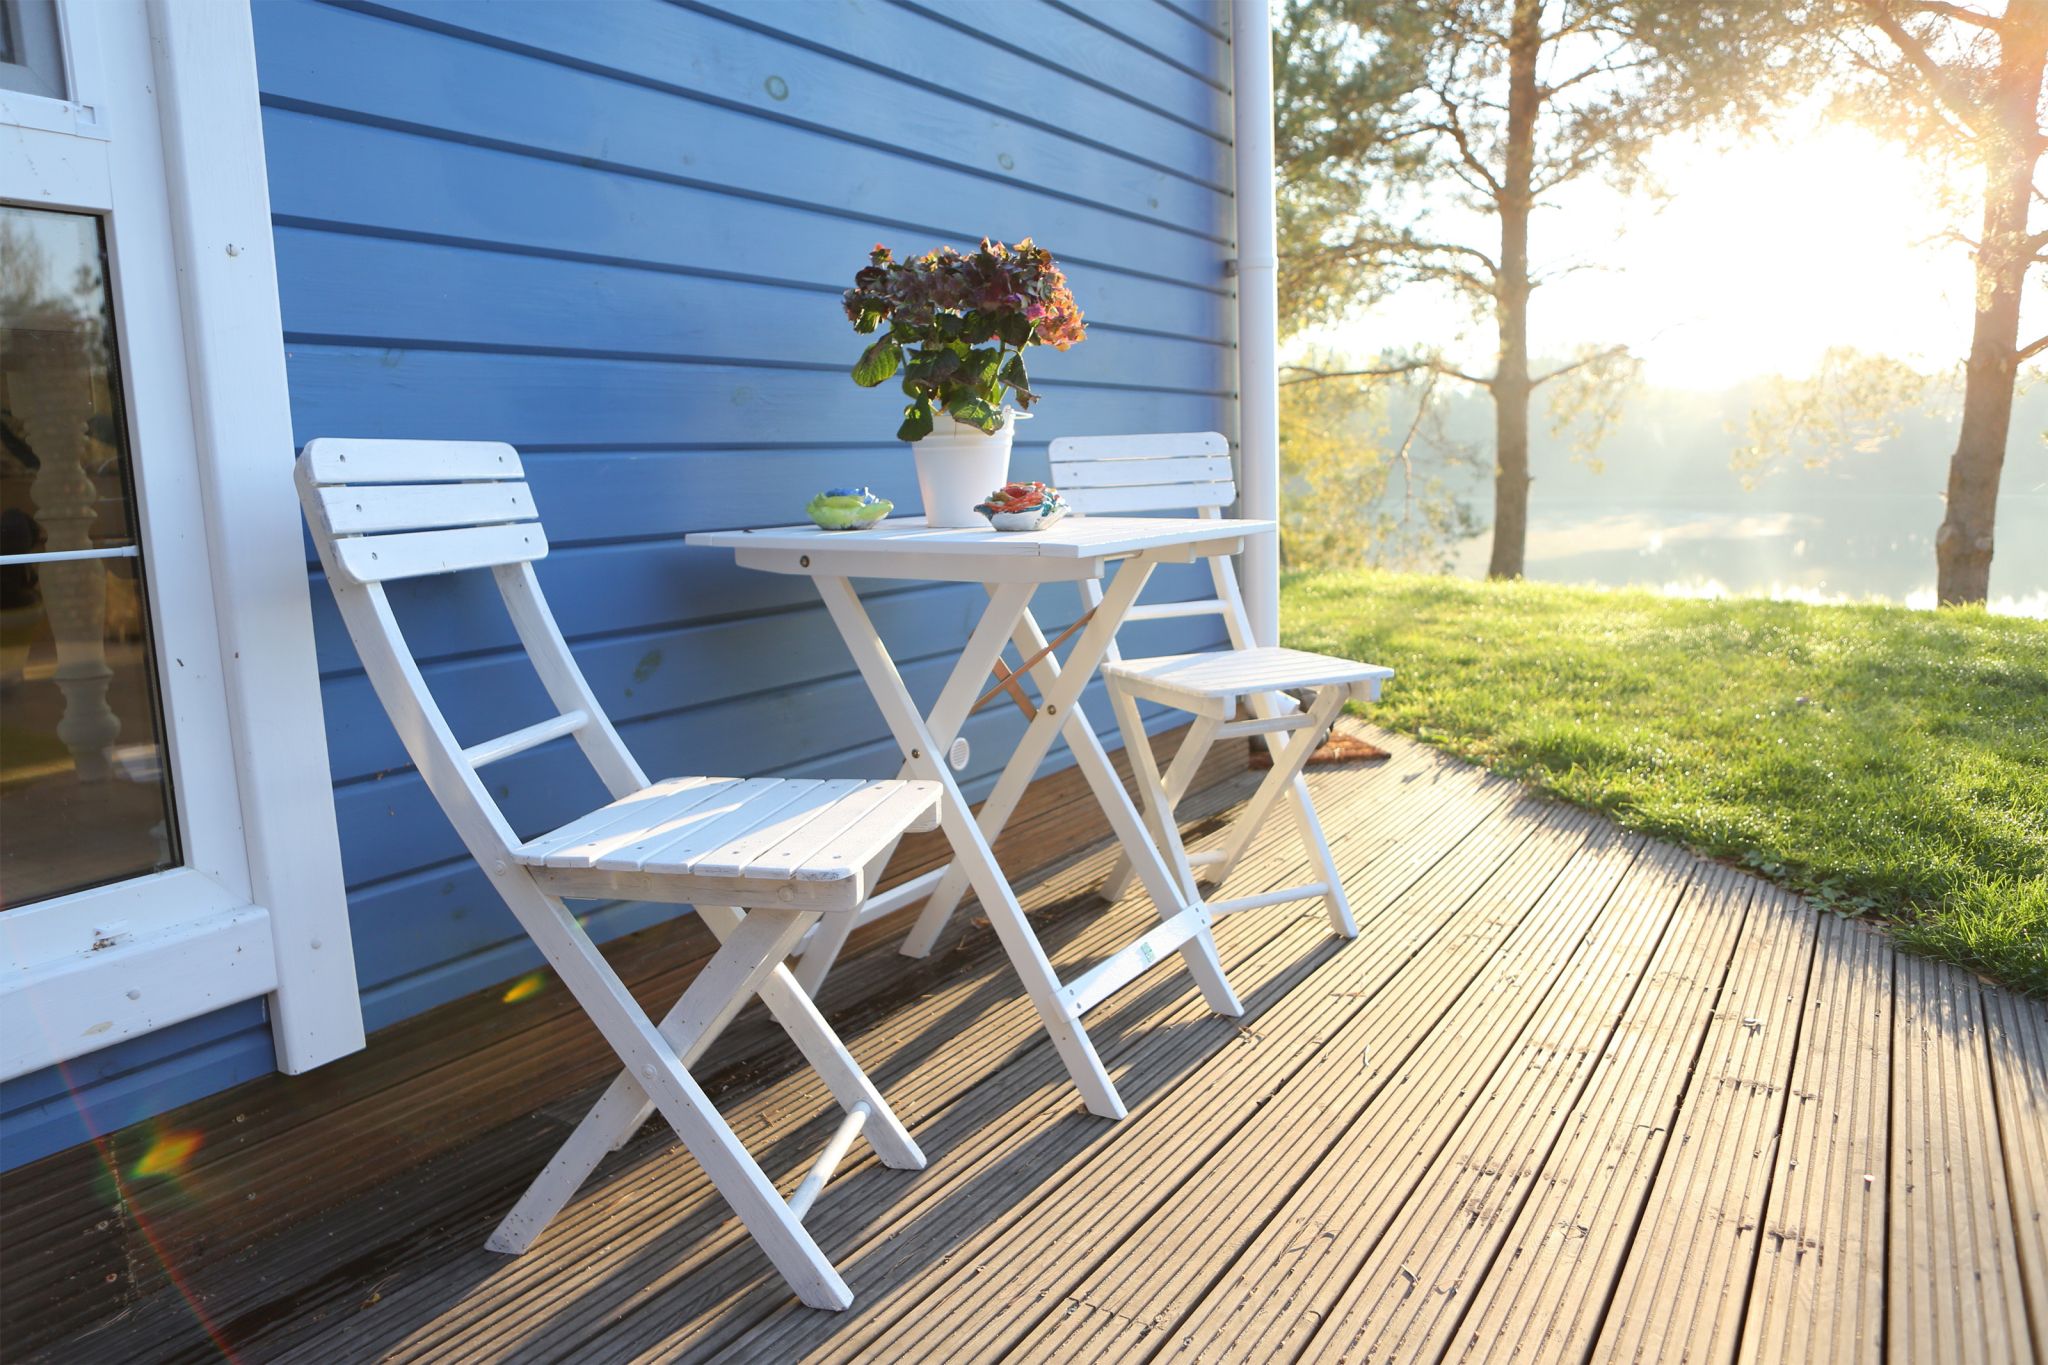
(525, 988)
(166, 1155)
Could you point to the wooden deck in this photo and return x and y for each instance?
(1571, 1094)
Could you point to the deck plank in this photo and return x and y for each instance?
(1817, 1293)
(1660, 946)
(2018, 1031)
(658, 1227)
(1200, 1159)
(1685, 1286)
(1557, 1268)
(900, 1260)
(1571, 1095)
(1952, 1282)
(236, 1224)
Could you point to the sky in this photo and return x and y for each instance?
(1769, 251)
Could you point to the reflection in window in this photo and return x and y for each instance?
(84, 783)
(31, 54)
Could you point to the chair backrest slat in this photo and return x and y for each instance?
(415, 554)
(332, 459)
(1164, 472)
(406, 509)
(1147, 497)
(1073, 473)
(1170, 472)
(385, 510)
(367, 509)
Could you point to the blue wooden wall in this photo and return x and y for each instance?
(614, 234)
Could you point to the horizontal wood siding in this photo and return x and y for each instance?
(614, 234)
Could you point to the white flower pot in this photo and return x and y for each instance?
(958, 466)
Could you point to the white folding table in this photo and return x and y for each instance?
(1011, 566)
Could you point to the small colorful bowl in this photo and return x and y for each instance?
(847, 509)
(1023, 507)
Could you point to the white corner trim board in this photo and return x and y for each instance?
(175, 162)
(234, 348)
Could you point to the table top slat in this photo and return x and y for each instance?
(1071, 538)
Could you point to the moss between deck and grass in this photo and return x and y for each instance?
(1878, 759)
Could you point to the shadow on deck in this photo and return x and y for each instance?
(1569, 1093)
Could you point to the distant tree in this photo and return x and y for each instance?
(1352, 492)
(1416, 139)
(1853, 403)
(1960, 83)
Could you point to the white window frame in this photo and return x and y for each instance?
(258, 907)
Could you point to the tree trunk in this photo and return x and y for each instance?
(2012, 145)
(1511, 387)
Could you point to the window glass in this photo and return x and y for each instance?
(31, 55)
(84, 784)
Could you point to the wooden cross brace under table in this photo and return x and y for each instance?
(1006, 678)
(1184, 926)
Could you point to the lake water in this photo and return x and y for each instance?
(1866, 544)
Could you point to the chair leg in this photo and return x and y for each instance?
(1199, 952)
(1335, 903)
(1180, 774)
(749, 962)
(792, 1007)
(1281, 781)
(821, 952)
(691, 1026)
(1154, 802)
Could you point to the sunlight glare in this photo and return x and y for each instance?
(1768, 252)
(1775, 251)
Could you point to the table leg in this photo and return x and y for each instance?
(971, 850)
(1088, 652)
(949, 713)
(1060, 712)
(1171, 895)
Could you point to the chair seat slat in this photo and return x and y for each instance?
(643, 807)
(365, 509)
(736, 852)
(797, 851)
(626, 842)
(678, 847)
(907, 806)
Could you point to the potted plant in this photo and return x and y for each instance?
(956, 325)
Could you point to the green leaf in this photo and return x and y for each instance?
(877, 363)
(976, 413)
(917, 421)
(1013, 374)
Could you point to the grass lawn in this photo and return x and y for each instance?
(1881, 760)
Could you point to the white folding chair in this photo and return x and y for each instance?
(1175, 472)
(786, 852)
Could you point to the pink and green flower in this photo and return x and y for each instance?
(958, 325)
